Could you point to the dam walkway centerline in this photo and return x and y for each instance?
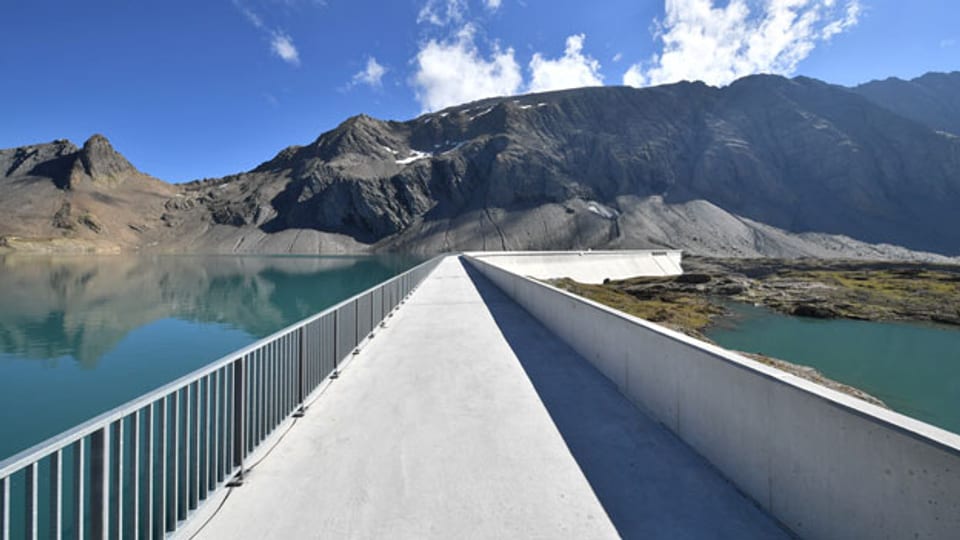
(467, 418)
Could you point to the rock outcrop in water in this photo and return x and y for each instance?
(767, 166)
(836, 289)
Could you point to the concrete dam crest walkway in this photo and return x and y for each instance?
(466, 418)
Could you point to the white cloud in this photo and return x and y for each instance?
(454, 72)
(254, 19)
(617, 57)
(718, 45)
(634, 76)
(572, 70)
(372, 75)
(840, 24)
(492, 5)
(282, 45)
(949, 42)
(443, 12)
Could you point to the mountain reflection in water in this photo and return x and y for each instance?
(82, 334)
(82, 306)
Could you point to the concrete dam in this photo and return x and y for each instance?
(466, 399)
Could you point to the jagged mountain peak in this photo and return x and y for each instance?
(359, 135)
(97, 139)
(932, 99)
(65, 164)
(34, 159)
(101, 162)
(58, 196)
(926, 77)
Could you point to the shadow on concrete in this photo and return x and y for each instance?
(650, 483)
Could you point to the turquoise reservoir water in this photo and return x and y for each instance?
(913, 368)
(80, 335)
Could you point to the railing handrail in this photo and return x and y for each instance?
(64, 439)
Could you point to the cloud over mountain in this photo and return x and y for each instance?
(455, 71)
(572, 70)
(707, 41)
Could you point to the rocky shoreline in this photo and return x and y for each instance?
(819, 288)
(825, 289)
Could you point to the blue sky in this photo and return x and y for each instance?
(193, 89)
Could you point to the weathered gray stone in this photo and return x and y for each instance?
(767, 166)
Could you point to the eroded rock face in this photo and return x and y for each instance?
(53, 160)
(766, 166)
(933, 99)
(65, 164)
(800, 155)
(63, 218)
(57, 197)
(101, 162)
(814, 311)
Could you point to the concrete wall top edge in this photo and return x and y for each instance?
(588, 266)
(944, 439)
(485, 254)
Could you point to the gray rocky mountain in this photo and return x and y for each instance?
(933, 99)
(765, 166)
(57, 197)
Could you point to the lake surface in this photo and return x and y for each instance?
(80, 335)
(913, 368)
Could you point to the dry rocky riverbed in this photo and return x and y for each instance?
(877, 291)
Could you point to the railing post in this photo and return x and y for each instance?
(135, 490)
(394, 296)
(149, 459)
(56, 495)
(99, 490)
(193, 489)
(30, 522)
(173, 505)
(336, 343)
(163, 450)
(116, 480)
(78, 480)
(218, 429)
(207, 430)
(223, 406)
(356, 326)
(383, 306)
(301, 371)
(239, 419)
(5, 508)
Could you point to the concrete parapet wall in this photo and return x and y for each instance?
(825, 464)
(586, 266)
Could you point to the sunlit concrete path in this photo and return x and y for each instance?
(465, 418)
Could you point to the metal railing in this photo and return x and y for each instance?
(138, 471)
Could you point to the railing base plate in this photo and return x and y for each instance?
(236, 482)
